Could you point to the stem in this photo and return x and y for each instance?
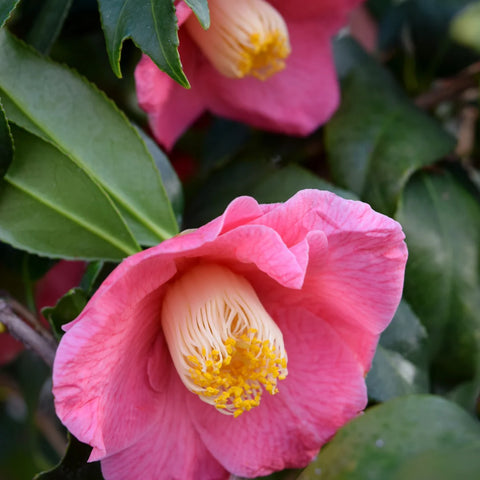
(27, 315)
(26, 334)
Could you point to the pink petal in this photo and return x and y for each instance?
(100, 378)
(171, 107)
(170, 448)
(323, 390)
(295, 101)
(358, 285)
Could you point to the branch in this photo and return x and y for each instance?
(448, 89)
(24, 313)
(26, 334)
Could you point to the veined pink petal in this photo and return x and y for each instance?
(170, 448)
(295, 100)
(343, 286)
(100, 381)
(323, 390)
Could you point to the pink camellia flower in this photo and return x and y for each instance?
(267, 64)
(240, 347)
(63, 276)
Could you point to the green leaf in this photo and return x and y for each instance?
(467, 395)
(151, 24)
(54, 103)
(65, 310)
(443, 464)
(92, 276)
(48, 24)
(262, 179)
(74, 464)
(406, 335)
(51, 207)
(378, 139)
(441, 218)
(200, 9)
(400, 363)
(171, 182)
(6, 146)
(392, 375)
(6, 8)
(377, 445)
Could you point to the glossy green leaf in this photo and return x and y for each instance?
(54, 103)
(51, 207)
(47, 24)
(440, 215)
(377, 138)
(392, 375)
(443, 464)
(74, 464)
(264, 180)
(171, 182)
(92, 276)
(151, 24)
(6, 146)
(6, 8)
(406, 335)
(378, 444)
(200, 8)
(67, 309)
(400, 364)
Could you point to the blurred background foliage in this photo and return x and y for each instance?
(405, 139)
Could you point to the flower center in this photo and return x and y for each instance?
(225, 346)
(246, 37)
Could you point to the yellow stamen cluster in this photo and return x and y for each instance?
(234, 382)
(246, 37)
(225, 346)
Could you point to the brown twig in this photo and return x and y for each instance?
(23, 332)
(27, 315)
(448, 89)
